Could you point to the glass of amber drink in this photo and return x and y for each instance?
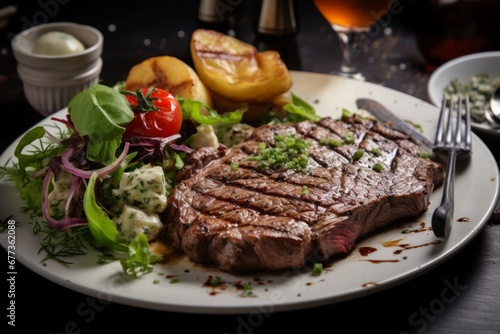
(351, 19)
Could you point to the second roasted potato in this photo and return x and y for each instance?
(171, 74)
(235, 70)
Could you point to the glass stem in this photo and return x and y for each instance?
(348, 47)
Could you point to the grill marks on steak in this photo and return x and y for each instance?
(251, 218)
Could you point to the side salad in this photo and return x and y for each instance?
(100, 178)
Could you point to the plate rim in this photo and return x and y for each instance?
(301, 304)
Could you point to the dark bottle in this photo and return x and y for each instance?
(218, 15)
(276, 28)
(447, 29)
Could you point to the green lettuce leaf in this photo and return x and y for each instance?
(101, 113)
(141, 258)
(102, 228)
(203, 114)
(300, 110)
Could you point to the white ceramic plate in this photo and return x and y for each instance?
(463, 69)
(398, 257)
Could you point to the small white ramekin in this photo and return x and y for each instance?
(50, 81)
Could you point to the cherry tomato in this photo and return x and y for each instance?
(157, 113)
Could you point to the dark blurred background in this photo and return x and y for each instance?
(415, 38)
(401, 51)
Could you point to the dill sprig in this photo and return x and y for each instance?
(56, 244)
(61, 244)
(28, 186)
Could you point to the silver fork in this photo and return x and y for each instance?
(454, 142)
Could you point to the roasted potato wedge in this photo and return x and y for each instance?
(171, 74)
(235, 70)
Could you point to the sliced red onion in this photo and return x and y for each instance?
(181, 147)
(86, 174)
(66, 222)
(74, 186)
(149, 141)
(66, 122)
(40, 172)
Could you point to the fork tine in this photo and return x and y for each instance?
(458, 128)
(439, 131)
(449, 120)
(468, 130)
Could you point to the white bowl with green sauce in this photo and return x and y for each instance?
(476, 75)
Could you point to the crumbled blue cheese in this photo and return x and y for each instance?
(205, 137)
(142, 196)
(144, 188)
(133, 221)
(59, 194)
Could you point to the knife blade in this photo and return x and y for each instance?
(385, 115)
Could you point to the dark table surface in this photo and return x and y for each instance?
(135, 31)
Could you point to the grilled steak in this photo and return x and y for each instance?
(231, 213)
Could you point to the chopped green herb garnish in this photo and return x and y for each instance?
(358, 154)
(348, 138)
(331, 141)
(346, 113)
(335, 142)
(376, 152)
(378, 167)
(247, 290)
(418, 127)
(175, 280)
(288, 152)
(305, 189)
(234, 165)
(215, 280)
(317, 269)
(424, 154)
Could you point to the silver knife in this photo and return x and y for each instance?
(385, 115)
